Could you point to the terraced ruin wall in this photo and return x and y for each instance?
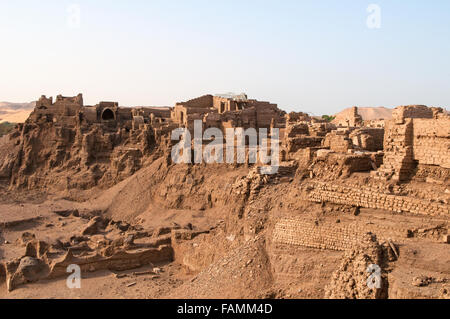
(368, 198)
(308, 234)
(327, 235)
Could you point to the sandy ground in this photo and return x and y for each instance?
(244, 269)
(15, 112)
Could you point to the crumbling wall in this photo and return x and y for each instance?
(411, 141)
(321, 129)
(338, 141)
(295, 129)
(350, 280)
(368, 139)
(265, 113)
(331, 235)
(304, 156)
(312, 234)
(411, 111)
(373, 198)
(398, 160)
(294, 144)
(294, 117)
(431, 141)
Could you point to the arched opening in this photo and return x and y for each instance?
(107, 115)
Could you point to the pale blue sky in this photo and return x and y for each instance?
(315, 56)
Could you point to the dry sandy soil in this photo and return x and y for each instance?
(222, 261)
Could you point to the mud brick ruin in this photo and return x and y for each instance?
(416, 136)
(348, 193)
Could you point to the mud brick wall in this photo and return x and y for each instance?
(354, 162)
(90, 114)
(329, 235)
(124, 114)
(370, 139)
(294, 117)
(412, 141)
(296, 129)
(368, 198)
(432, 174)
(303, 156)
(321, 129)
(265, 114)
(338, 142)
(320, 236)
(67, 121)
(431, 141)
(411, 112)
(222, 104)
(294, 144)
(398, 159)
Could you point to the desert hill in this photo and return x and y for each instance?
(372, 113)
(15, 112)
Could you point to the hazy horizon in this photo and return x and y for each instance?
(318, 57)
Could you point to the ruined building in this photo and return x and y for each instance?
(105, 143)
(226, 112)
(416, 139)
(347, 194)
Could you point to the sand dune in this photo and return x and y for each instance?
(15, 112)
(373, 113)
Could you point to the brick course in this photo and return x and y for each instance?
(368, 198)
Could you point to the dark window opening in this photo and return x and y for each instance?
(107, 115)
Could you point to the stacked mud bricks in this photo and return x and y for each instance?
(365, 197)
(307, 233)
(416, 135)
